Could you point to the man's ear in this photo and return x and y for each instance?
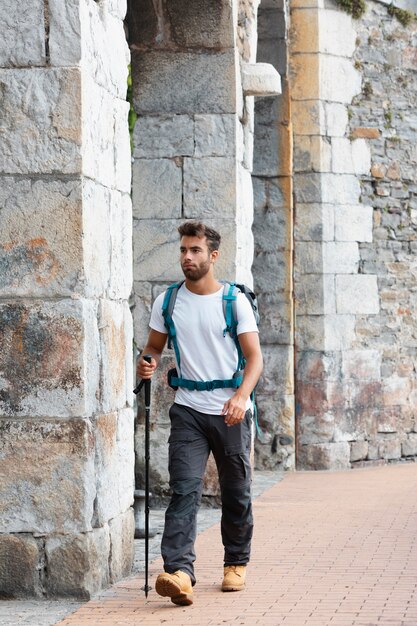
(214, 254)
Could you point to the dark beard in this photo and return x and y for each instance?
(194, 274)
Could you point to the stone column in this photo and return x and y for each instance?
(66, 415)
(333, 402)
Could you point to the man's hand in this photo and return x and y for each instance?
(234, 409)
(145, 370)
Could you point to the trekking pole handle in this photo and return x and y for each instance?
(148, 359)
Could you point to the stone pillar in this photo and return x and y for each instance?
(273, 234)
(336, 377)
(66, 415)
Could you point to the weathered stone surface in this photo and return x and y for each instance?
(41, 129)
(340, 188)
(348, 83)
(105, 131)
(361, 364)
(339, 332)
(159, 477)
(316, 428)
(305, 74)
(260, 79)
(325, 456)
(276, 315)
(409, 446)
(396, 390)
(308, 258)
(272, 271)
(157, 188)
(353, 223)
(116, 357)
(358, 451)
(277, 376)
(209, 187)
(337, 35)
(122, 532)
(166, 82)
(319, 366)
(340, 257)
(105, 52)
(309, 118)
(315, 295)
(141, 310)
(45, 369)
(336, 119)
(156, 245)
(314, 222)
(215, 135)
(23, 37)
(350, 157)
(357, 294)
(48, 476)
(39, 253)
(19, 575)
(78, 565)
(65, 32)
(166, 136)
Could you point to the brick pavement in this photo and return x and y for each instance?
(330, 549)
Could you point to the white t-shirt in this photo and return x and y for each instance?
(205, 353)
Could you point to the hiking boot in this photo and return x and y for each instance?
(176, 586)
(234, 578)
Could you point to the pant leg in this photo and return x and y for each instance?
(188, 454)
(231, 450)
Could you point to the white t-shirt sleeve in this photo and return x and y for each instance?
(157, 321)
(245, 316)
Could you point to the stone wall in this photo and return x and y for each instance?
(194, 82)
(66, 417)
(273, 254)
(353, 235)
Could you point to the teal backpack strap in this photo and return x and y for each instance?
(230, 292)
(167, 309)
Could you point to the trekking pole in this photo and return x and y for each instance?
(147, 384)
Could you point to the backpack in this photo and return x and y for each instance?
(230, 291)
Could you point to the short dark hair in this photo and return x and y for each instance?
(200, 230)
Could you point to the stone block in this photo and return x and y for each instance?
(336, 33)
(260, 79)
(336, 119)
(305, 72)
(340, 257)
(357, 294)
(324, 456)
(78, 564)
(318, 366)
(345, 87)
(312, 154)
(339, 332)
(164, 136)
(309, 332)
(361, 364)
(116, 357)
(272, 230)
(390, 449)
(266, 150)
(49, 358)
(308, 188)
(157, 188)
(273, 272)
(396, 390)
(278, 375)
(308, 258)
(276, 326)
(156, 246)
(97, 240)
(339, 189)
(350, 157)
(122, 532)
(215, 135)
(23, 36)
(106, 140)
(325, 332)
(409, 446)
(159, 460)
(353, 223)
(114, 460)
(205, 24)
(41, 111)
(305, 33)
(65, 32)
(48, 474)
(166, 82)
(209, 188)
(316, 428)
(309, 118)
(314, 222)
(358, 451)
(121, 264)
(315, 296)
(271, 22)
(105, 53)
(40, 255)
(19, 562)
(141, 310)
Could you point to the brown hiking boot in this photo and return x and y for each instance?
(176, 586)
(234, 578)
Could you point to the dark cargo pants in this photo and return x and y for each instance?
(193, 436)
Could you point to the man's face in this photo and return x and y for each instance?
(196, 258)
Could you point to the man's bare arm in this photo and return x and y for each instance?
(154, 346)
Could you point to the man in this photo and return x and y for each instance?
(217, 420)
